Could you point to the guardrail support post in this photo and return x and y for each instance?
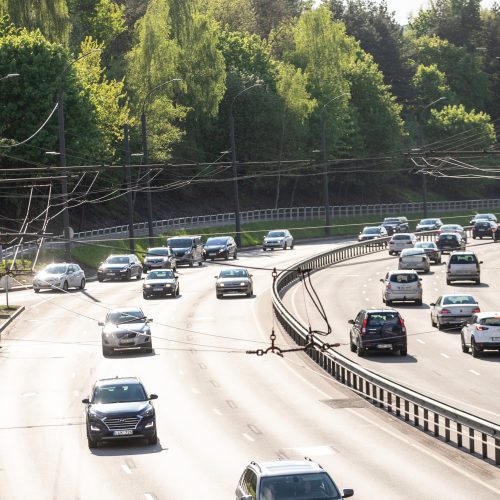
(446, 430)
(389, 401)
(459, 435)
(436, 424)
(471, 440)
(426, 420)
(398, 406)
(497, 451)
(407, 410)
(485, 445)
(416, 420)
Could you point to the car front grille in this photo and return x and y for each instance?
(121, 423)
(126, 335)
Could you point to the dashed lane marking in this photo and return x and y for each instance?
(474, 372)
(445, 355)
(250, 438)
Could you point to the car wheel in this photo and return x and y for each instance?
(361, 352)
(128, 275)
(448, 282)
(352, 345)
(65, 286)
(473, 237)
(440, 326)
(390, 252)
(383, 299)
(403, 351)
(291, 246)
(235, 256)
(388, 302)
(418, 302)
(480, 237)
(433, 323)
(145, 296)
(100, 280)
(139, 276)
(474, 349)
(178, 291)
(37, 290)
(226, 256)
(284, 246)
(153, 440)
(200, 263)
(107, 351)
(477, 282)
(147, 350)
(250, 293)
(82, 284)
(92, 444)
(465, 348)
(219, 295)
(264, 249)
(190, 263)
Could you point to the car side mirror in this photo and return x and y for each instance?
(480, 262)
(149, 320)
(432, 304)
(86, 401)
(153, 396)
(215, 277)
(381, 280)
(351, 322)
(348, 492)
(100, 323)
(252, 274)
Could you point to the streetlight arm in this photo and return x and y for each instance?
(155, 88)
(333, 99)
(76, 60)
(242, 92)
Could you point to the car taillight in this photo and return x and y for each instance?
(481, 328)
(363, 328)
(389, 286)
(419, 285)
(445, 311)
(402, 323)
(476, 310)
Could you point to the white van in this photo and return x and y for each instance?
(463, 266)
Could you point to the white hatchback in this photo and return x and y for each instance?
(481, 332)
(400, 241)
(414, 258)
(402, 286)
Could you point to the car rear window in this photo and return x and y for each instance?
(401, 237)
(493, 321)
(404, 278)
(382, 318)
(448, 237)
(463, 259)
(458, 300)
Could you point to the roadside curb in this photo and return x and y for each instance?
(11, 319)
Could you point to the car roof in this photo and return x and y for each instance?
(458, 295)
(124, 309)
(487, 314)
(403, 271)
(184, 236)
(115, 380)
(412, 251)
(463, 252)
(403, 234)
(380, 310)
(158, 248)
(234, 269)
(285, 467)
(270, 230)
(449, 234)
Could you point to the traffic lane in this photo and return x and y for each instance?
(126, 474)
(435, 365)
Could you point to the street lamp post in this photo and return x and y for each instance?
(326, 192)
(62, 155)
(234, 167)
(149, 204)
(10, 75)
(421, 143)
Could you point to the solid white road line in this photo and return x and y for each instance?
(475, 372)
(445, 355)
(217, 412)
(126, 469)
(421, 341)
(250, 438)
(149, 496)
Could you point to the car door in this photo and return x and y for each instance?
(468, 329)
(356, 328)
(435, 309)
(72, 276)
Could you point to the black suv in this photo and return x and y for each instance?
(396, 225)
(450, 241)
(120, 267)
(484, 229)
(120, 408)
(378, 330)
(220, 247)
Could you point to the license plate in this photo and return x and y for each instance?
(384, 346)
(495, 339)
(127, 432)
(127, 341)
(110, 274)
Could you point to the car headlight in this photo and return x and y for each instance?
(168, 285)
(220, 284)
(100, 269)
(147, 286)
(124, 268)
(222, 250)
(242, 283)
(149, 412)
(95, 413)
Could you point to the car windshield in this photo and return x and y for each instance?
(459, 300)
(180, 243)
(119, 393)
(463, 259)
(298, 487)
(451, 227)
(412, 251)
(275, 234)
(160, 275)
(56, 269)
(427, 222)
(216, 241)
(130, 316)
(233, 273)
(492, 321)
(371, 230)
(426, 244)
(391, 221)
(404, 278)
(483, 223)
(483, 216)
(158, 251)
(117, 260)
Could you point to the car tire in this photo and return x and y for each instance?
(139, 276)
(264, 249)
(441, 326)
(480, 237)
(145, 296)
(284, 246)
(250, 293)
(190, 263)
(219, 295)
(388, 302)
(352, 346)
(473, 237)
(153, 440)
(178, 291)
(465, 348)
(477, 282)
(37, 290)
(91, 443)
(226, 256)
(433, 323)
(361, 352)
(235, 256)
(418, 302)
(82, 284)
(390, 252)
(291, 246)
(147, 350)
(65, 286)
(474, 349)
(448, 282)
(100, 280)
(128, 276)
(200, 263)
(403, 351)
(107, 351)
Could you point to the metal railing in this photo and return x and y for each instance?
(467, 432)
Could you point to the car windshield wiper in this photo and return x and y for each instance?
(131, 320)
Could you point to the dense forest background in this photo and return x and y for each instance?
(387, 95)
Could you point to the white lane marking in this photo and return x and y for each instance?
(73, 375)
(29, 394)
(363, 291)
(474, 372)
(444, 355)
(421, 341)
(195, 390)
(181, 373)
(75, 393)
(313, 450)
(250, 438)
(148, 496)
(217, 412)
(444, 461)
(126, 469)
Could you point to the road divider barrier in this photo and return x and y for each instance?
(451, 425)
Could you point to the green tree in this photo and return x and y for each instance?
(233, 15)
(430, 84)
(270, 15)
(49, 16)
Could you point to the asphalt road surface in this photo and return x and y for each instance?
(218, 407)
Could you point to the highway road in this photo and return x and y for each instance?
(436, 365)
(218, 407)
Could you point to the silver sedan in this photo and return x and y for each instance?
(452, 310)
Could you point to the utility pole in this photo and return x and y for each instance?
(128, 176)
(326, 192)
(235, 179)
(149, 203)
(64, 181)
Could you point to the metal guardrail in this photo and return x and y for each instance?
(466, 431)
